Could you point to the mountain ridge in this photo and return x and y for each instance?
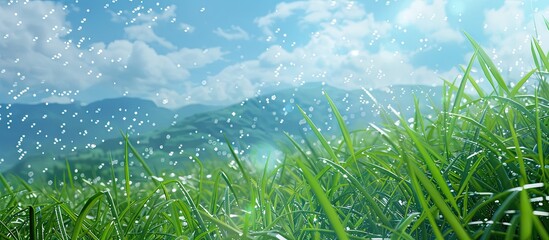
(254, 126)
(39, 128)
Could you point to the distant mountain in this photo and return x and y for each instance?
(260, 122)
(193, 109)
(60, 129)
(255, 127)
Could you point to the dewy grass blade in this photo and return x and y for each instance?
(421, 198)
(473, 82)
(107, 231)
(74, 217)
(331, 213)
(222, 225)
(200, 178)
(263, 196)
(541, 228)
(534, 56)
(461, 90)
(9, 232)
(154, 214)
(140, 159)
(6, 185)
(193, 207)
(500, 212)
(335, 179)
(312, 165)
(137, 209)
(512, 229)
(113, 177)
(405, 223)
(526, 216)
(238, 162)
(60, 223)
(127, 170)
(114, 212)
(542, 55)
(419, 124)
(431, 165)
(521, 108)
(521, 83)
(343, 128)
(440, 202)
(469, 173)
(487, 64)
(230, 185)
(492, 139)
(79, 223)
(518, 150)
(539, 137)
(25, 184)
(319, 136)
(355, 183)
(215, 192)
(69, 174)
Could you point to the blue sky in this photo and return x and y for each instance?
(217, 52)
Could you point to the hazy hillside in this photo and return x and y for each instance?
(57, 129)
(255, 127)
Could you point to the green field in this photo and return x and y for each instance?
(478, 169)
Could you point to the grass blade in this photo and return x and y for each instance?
(61, 224)
(319, 136)
(526, 216)
(343, 128)
(521, 83)
(355, 183)
(541, 55)
(114, 212)
(32, 223)
(440, 202)
(6, 185)
(79, 223)
(127, 170)
(405, 223)
(488, 66)
(238, 161)
(69, 174)
(331, 213)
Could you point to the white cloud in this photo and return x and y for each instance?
(310, 12)
(339, 53)
(136, 15)
(509, 37)
(143, 72)
(233, 33)
(143, 30)
(33, 51)
(187, 27)
(431, 19)
(505, 20)
(196, 58)
(152, 16)
(146, 34)
(57, 99)
(282, 11)
(348, 48)
(232, 84)
(34, 57)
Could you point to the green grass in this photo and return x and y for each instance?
(477, 170)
